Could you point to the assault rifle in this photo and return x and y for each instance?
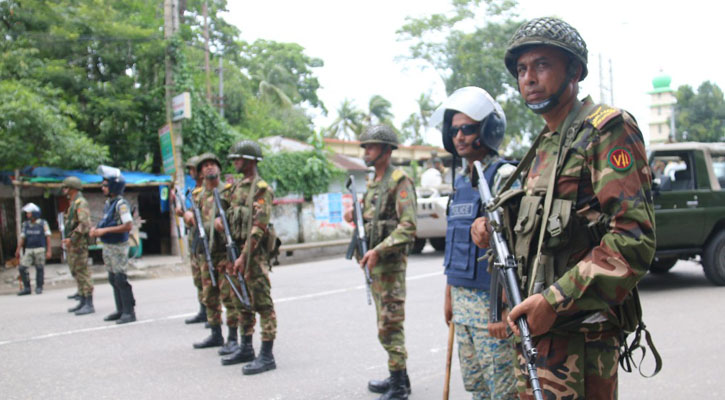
(202, 239)
(504, 277)
(232, 254)
(359, 242)
(61, 228)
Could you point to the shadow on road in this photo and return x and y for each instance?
(685, 275)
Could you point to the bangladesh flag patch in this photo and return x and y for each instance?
(620, 159)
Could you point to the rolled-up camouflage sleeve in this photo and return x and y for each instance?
(262, 212)
(405, 207)
(621, 181)
(83, 213)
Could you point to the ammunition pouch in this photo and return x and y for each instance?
(383, 229)
(237, 217)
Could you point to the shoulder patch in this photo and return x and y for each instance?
(262, 185)
(397, 174)
(620, 159)
(78, 201)
(196, 191)
(601, 115)
(227, 186)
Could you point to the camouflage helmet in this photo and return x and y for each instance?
(207, 157)
(245, 149)
(191, 162)
(546, 31)
(382, 134)
(72, 182)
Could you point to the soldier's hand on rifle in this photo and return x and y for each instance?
(481, 232)
(370, 259)
(499, 329)
(189, 218)
(65, 243)
(239, 264)
(539, 314)
(347, 216)
(218, 224)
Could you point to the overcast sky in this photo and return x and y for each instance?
(357, 42)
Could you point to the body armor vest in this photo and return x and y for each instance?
(34, 233)
(111, 218)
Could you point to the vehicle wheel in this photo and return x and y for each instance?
(417, 246)
(662, 265)
(438, 243)
(713, 260)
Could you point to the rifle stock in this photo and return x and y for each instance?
(359, 241)
(505, 267)
(232, 254)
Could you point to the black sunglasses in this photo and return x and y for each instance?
(467, 129)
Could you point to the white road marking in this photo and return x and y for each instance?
(179, 316)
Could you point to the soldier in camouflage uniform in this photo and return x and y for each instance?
(473, 128)
(33, 248)
(77, 226)
(209, 167)
(389, 207)
(249, 212)
(194, 260)
(580, 269)
(113, 231)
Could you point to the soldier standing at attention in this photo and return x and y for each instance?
(249, 212)
(389, 207)
(77, 228)
(193, 238)
(113, 231)
(209, 167)
(33, 248)
(590, 183)
(473, 128)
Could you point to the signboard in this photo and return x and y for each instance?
(181, 107)
(328, 207)
(167, 149)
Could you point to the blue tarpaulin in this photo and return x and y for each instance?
(48, 174)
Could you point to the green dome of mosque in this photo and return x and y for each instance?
(661, 82)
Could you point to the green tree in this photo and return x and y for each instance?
(349, 122)
(378, 111)
(466, 47)
(414, 126)
(700, 116)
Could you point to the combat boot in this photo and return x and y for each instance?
(231, 345)
(87, 307)
(381, 386)
(245, 352)
(128, 302)
(25, 277)
(214, 340)
(199, 317)
(397, 389)
(39, 275)
(78, 306)
(114, 316)
(263, 362)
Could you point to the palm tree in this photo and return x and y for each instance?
(415, 125)
(378, 107)
(348, 124)
(278, 87)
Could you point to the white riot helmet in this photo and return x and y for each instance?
(32, 209)
(479, 106)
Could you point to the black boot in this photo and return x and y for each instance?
(214, 340)
(39, 275)
(78, 306)
(128, 312)
(231, 345)
(381, 386)
(263, 362)
(199, 317)
(397, 389)
(25, 277)
(245, 353)
(87, 307)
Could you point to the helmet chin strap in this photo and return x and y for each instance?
(549, 104)
(383, 150)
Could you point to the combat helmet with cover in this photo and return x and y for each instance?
(191, 162)
(207, 157)
(245, 149)
(72, 182)
(546, 31)
(381, 134)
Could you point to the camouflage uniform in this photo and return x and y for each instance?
(256, 272)
(115, 255)
(77, 226)
(211, 295)
(393, 232)
(606, 178)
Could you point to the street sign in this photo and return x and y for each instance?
(181, 107)
(167, 149)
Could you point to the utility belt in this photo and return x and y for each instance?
(568, 236)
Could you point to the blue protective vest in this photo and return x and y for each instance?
(461, 253)
(110, 218)
(34, 233)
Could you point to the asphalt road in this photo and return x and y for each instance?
(326, 348)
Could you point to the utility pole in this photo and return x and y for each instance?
(221, 87)
(205, 12)
(171, 26)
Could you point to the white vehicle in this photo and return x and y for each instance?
(431, 217)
